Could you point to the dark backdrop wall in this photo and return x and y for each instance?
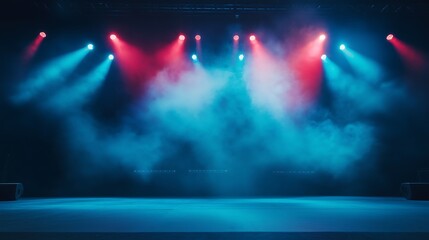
(123, 142)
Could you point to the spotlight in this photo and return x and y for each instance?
(113, 36)
(90, 46)
(322, 37)
(342, 47)
(323, 57)
(252, 38)
(194, 57)
(42, 34)
(182, 37)
(389, 37)
(198, 37)
(111, 57)
(241, 57)
(236, 37)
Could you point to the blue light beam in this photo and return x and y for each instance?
(363, 96)
(51, 74)
(84, 87)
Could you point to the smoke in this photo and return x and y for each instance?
(227, 118)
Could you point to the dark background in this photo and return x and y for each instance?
(31, 149)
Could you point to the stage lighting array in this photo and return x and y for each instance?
(236, 37)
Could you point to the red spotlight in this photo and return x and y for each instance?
(389, 37)
(236, 37)
(252, 38)
(182, 37)
(42, 34)
(197, 37)
(322, 37)
(113, 36)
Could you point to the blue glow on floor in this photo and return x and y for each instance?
(300, 214)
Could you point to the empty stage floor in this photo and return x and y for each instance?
(242, 215)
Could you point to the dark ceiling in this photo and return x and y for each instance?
(126, 7)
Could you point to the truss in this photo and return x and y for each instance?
(126, 7)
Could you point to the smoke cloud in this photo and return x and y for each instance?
(225, 118)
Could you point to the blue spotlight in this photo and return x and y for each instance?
(194, 57)
(90, 46)
(342, 47)
(111, 57)
(241, 57)
(323, 57)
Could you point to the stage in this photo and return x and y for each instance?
(243, 218)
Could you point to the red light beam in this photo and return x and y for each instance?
(33, 47)
(413, 59)
(135, 65)
(306, 64)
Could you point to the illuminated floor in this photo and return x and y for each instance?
(264, 215)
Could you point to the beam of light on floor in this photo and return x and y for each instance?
(413, 59)
(364, 67)
(82, 90)
(50, 74)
